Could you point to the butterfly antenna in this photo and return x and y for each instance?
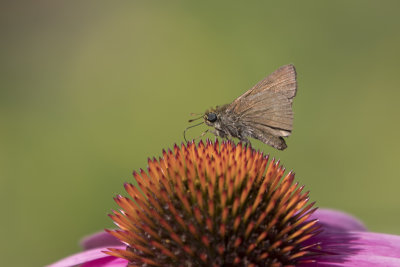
(184, 132)
(195, 119)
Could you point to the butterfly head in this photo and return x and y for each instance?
(210, 118)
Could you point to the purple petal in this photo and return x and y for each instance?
(333, 220)
(355, 248)
(100, 239)
(85, 257)
(107, 262)
(357, 260)
(379, 244)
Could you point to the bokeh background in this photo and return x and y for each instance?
(90, 89)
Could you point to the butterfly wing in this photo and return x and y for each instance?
(267, 107)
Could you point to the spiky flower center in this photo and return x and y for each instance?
(214, 205)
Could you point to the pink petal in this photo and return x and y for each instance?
(334, 220)
(378, 244)
(84, 257)
(107, 262)
(355, 248)
(356, 261)
(100, 239)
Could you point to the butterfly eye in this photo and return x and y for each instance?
(212, 117)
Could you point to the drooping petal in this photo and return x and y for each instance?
(357, 248)
(358, 260)
(100, 239)
(107, 262)
(377, 247)
(334, 220)
(86, 257)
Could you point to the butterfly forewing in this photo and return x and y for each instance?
(282, 80)
(267, 107)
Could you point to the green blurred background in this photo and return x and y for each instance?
(90, 89)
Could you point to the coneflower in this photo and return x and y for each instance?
(219, 205)
(211, 205)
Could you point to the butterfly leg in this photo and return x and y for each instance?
(200, 136)
(228, 137)
(245, 141)
(219, 133)
(214, 132)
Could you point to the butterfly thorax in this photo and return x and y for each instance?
(226, 124)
